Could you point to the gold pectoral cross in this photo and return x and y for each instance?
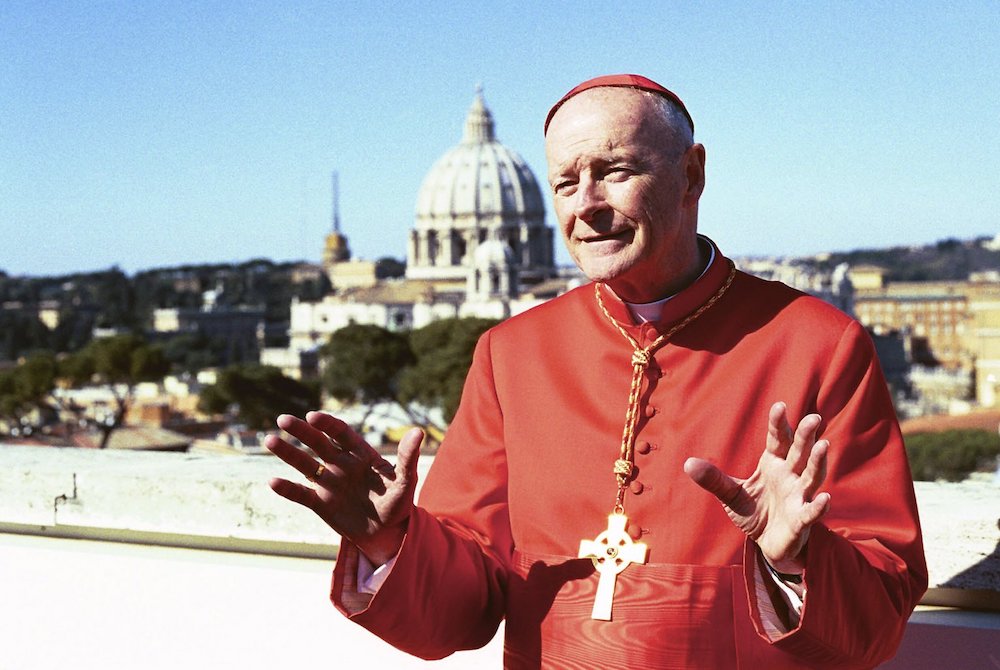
(611, 552)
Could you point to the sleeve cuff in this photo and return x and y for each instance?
(776, 608)
(790, 597)
(370, 578)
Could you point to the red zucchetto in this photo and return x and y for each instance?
(625, 81)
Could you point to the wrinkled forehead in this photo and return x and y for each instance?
(605, 118)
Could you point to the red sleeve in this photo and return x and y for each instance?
(865, 568)
(446, 589)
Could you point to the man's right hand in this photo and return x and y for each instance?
(358, 493)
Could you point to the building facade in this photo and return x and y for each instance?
(479, 247)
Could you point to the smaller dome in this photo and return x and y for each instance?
(493, 252)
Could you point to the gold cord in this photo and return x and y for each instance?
(641, 357)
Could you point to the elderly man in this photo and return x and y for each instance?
(559, 500)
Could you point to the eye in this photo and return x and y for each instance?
(564, 187)
(618, 173)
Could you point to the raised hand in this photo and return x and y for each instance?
(356, 492)
(777, 504)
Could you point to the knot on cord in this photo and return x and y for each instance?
(640, 358)
(623, 467)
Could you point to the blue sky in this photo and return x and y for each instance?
(148, 134)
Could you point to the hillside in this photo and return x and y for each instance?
(948, 259)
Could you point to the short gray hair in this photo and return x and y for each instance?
(673, 117)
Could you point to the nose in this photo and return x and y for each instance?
(589, 199)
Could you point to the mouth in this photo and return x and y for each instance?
(604, 237)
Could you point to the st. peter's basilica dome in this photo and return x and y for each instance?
(479, 191)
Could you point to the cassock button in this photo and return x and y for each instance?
(643, 447)
(635, 532)
(650, 411)
(636, 487)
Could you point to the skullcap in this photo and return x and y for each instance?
(623, 81)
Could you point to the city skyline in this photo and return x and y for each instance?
(164, 134)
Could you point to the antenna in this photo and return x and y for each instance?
(336, 204)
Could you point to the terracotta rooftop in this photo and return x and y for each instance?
(138, 438)
(389, 292)
(983, 420)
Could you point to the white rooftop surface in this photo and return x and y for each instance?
(82, 604)
(78, 603)
(89, 603)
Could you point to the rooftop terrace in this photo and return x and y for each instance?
(120, 560)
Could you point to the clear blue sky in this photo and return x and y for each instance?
(147, 134)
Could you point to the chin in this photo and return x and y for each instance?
(603, 269)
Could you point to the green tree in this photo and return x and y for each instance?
(112, 292)
(117, 364)
(36, 376)
(363, 363)
(27, 386)
(443, 351)
(388, 267)
(75, 329)
(190, 352)
(20, 333)
(10, 404)
(952, 454)
(257, 394)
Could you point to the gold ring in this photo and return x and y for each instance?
(319, 473)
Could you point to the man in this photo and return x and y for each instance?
(559, 500)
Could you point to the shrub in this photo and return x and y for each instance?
(952, 454)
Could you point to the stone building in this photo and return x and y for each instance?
(953, 326)
(933, 315)
(479, 247)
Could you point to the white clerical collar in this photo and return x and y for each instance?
(643, 312)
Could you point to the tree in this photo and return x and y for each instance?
(21, 332)
(10, 404)
(116, 363)
(25, 387)
(952, 454)
(36, 376)
(388, 267)
(363, 363)
(257, 394)
(75, 328)
(190, 352)
(443, 351)
(112, 292)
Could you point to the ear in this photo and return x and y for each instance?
(694, 173)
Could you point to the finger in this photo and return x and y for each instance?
(346, 437)
(311, 437)
(779, 431)
(802, 443)
(291, 455)
(307, 466)
(815, 471)
(297, 493)
(814, 510)
(309, 498)
(728, 490)
(408, 453)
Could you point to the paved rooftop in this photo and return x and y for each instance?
(130, 603)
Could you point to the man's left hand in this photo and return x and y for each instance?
(778, 503)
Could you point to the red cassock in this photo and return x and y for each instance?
(525, 474)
